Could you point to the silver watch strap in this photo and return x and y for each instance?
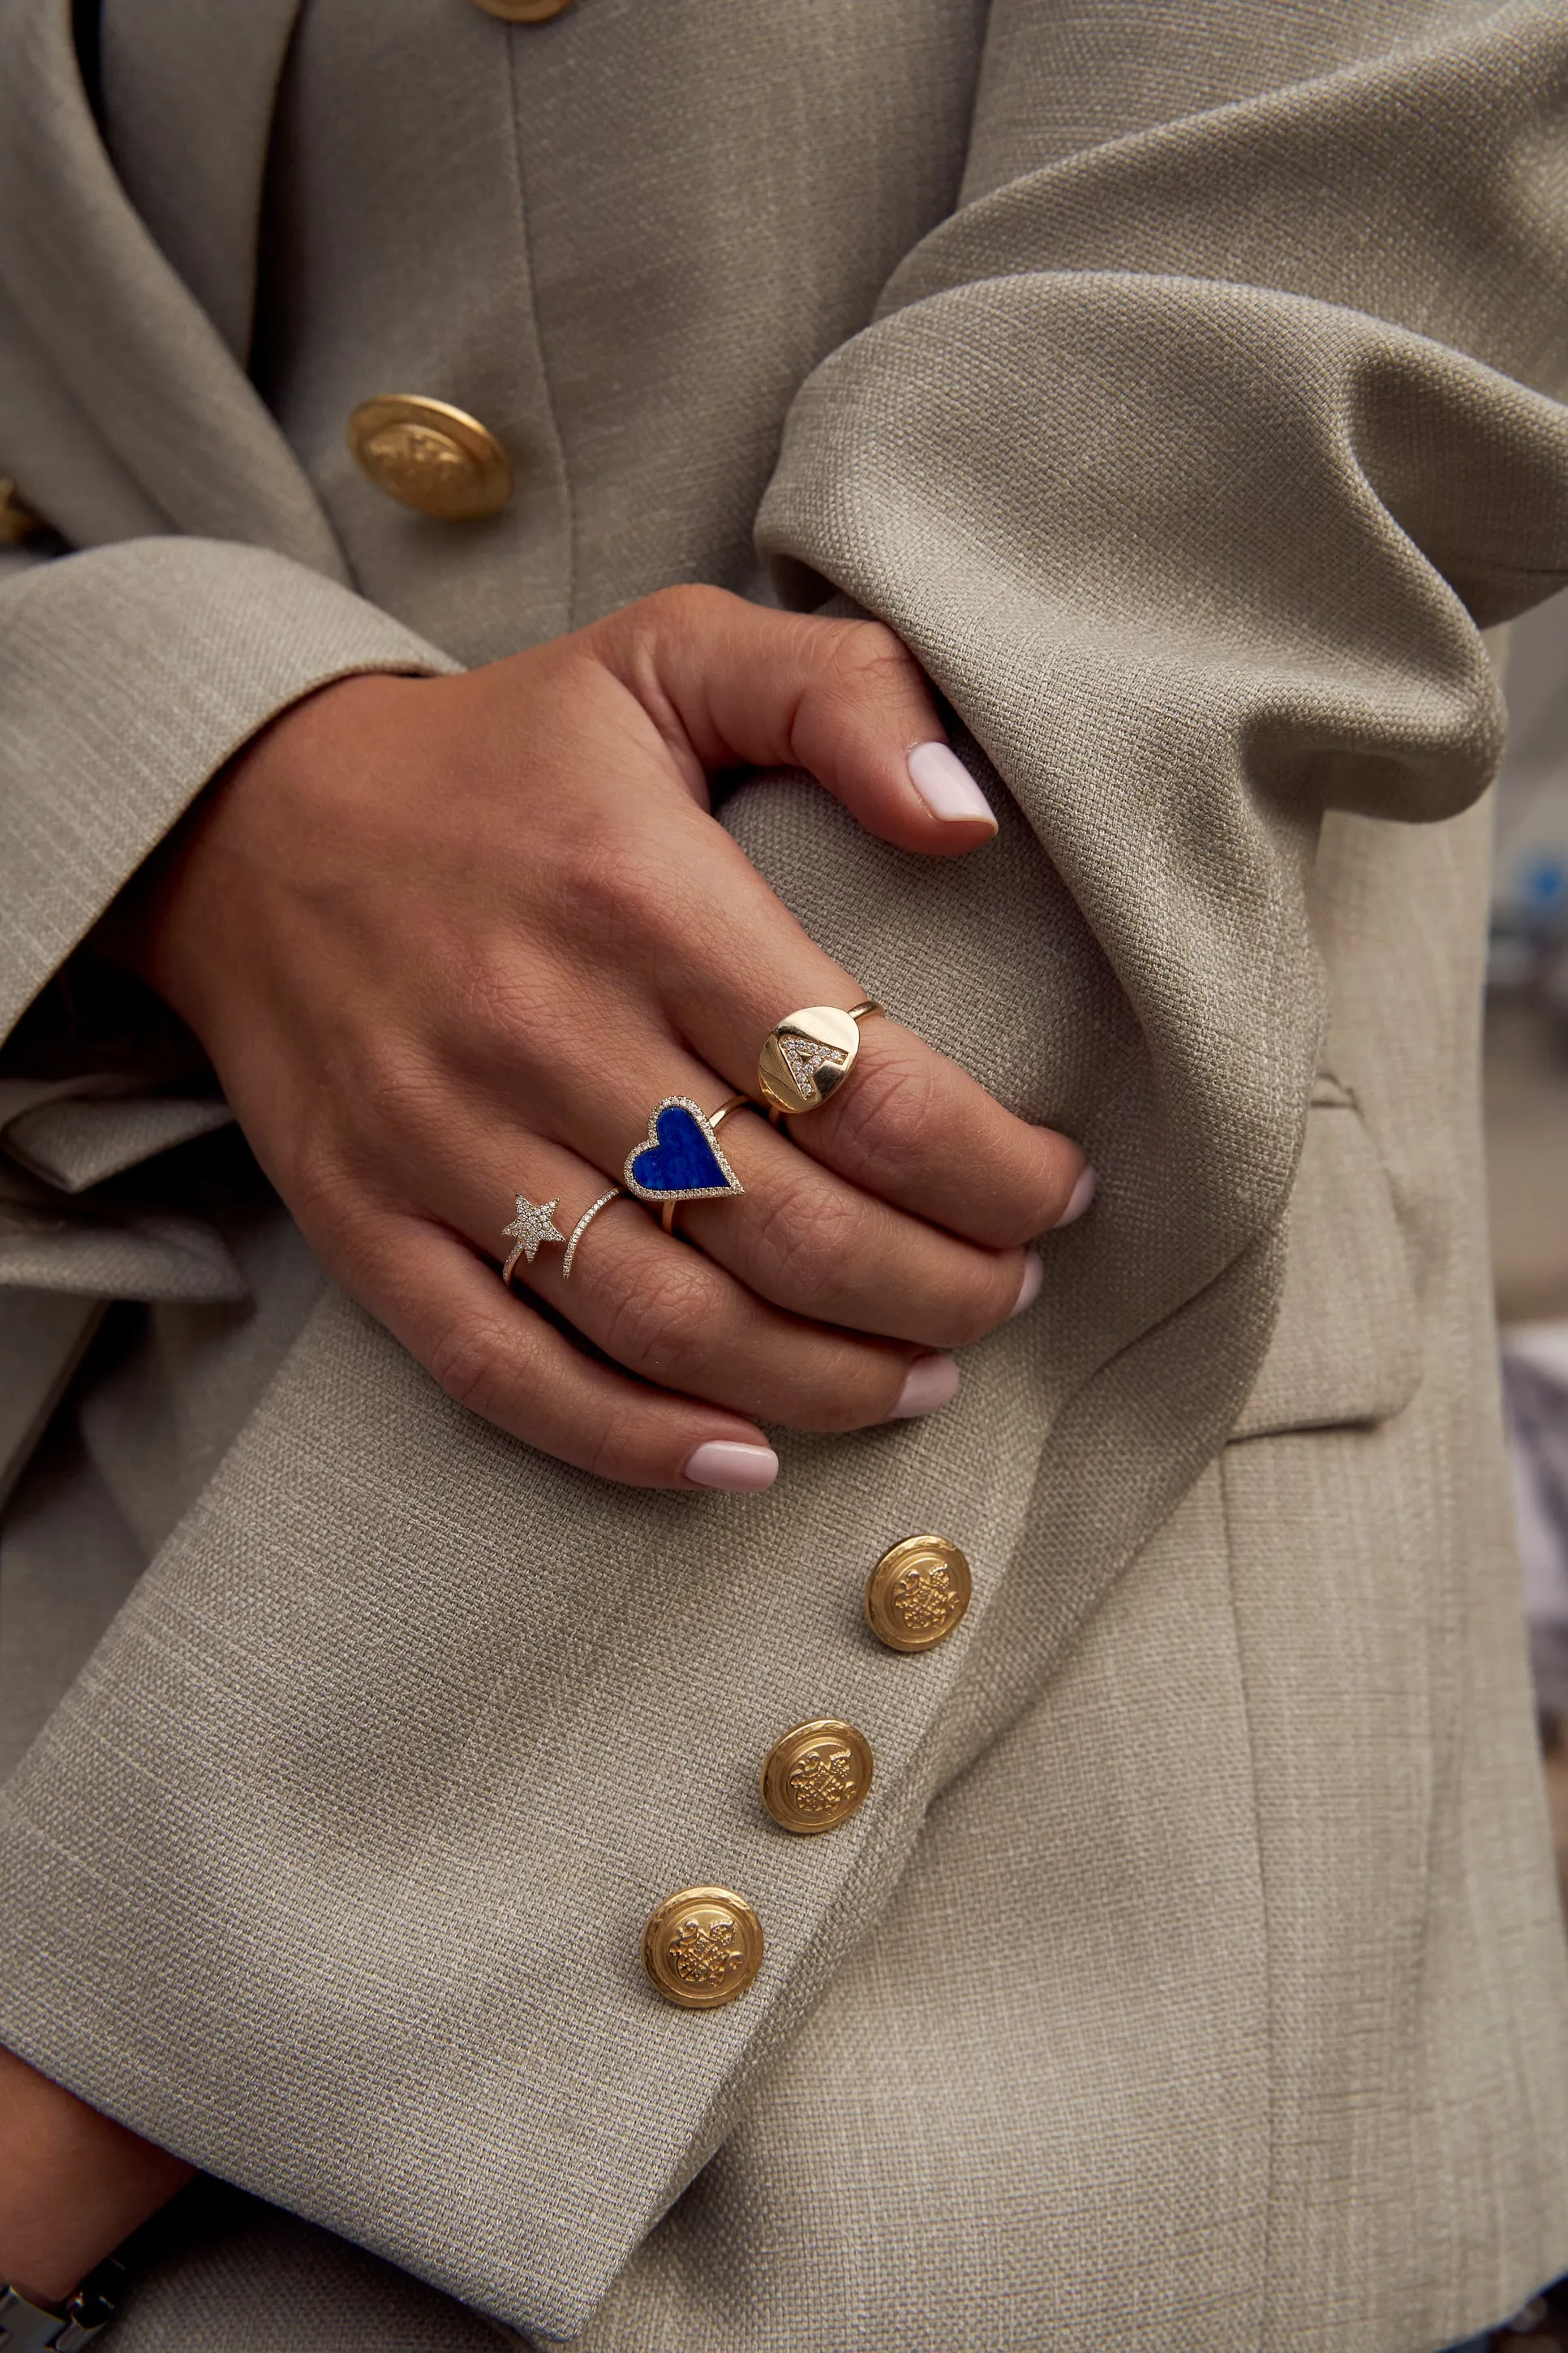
(32, 2328)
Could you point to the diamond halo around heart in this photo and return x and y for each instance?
(681, 1158)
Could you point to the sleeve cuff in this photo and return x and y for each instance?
(128, 676)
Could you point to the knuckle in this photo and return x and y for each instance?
(488, 1002)
(686, 604)
(331, 1179)
(611, 889)
(467, 1361)
(982, 1305)
(605, 1453)
(867, 655)
(804, 1237)
(882, 1122)
(659, 1325)
(858, 1390)
(405, 1093)
(318, 1180)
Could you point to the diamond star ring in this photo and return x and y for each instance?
(534, 1224)
(809, 1055)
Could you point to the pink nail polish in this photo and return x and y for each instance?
(931, 1381)
(1029, 1288)
(946, 787)
(1078, 1199)
(724, 1462)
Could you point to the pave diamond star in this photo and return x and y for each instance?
(534, 1224)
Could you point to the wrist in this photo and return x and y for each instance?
(73, 2184)
(172, 923)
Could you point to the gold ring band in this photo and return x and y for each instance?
(582, 1226)
(807, 1055)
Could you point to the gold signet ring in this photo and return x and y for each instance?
(809, 1056)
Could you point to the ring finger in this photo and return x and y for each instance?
(669, 1313)
(802, 1236)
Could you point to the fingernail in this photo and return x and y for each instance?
(931, 1381)
(1078, 1199)
(946, 787)
(1029, 1288)
(724, 1462)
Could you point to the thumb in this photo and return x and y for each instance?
(727, 682)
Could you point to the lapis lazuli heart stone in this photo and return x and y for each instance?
(681, 1161)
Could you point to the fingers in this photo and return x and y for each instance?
(805, 1238)
(495, 1357)
(672, 1316)
(844, 700)
(917, 1129)
(908, 1124)
(799, 1234)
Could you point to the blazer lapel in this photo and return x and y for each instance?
(154, 370)
(214, 73)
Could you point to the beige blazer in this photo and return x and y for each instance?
(1183, 384)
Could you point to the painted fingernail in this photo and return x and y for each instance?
(946, 787)
(724, 1462)
(1078, 1199)
(1029, 1288)
(931, 1381)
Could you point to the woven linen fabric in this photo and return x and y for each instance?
(1187, 395)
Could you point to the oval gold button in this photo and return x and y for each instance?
(918, 1593)
(523, 12)
(817, 1775)
(702, 1947)
(433, 457)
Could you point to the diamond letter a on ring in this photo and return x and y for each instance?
(806, 1058)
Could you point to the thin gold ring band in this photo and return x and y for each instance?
(582, 1226)
(715, 1120)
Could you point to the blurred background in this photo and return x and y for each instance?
(1526, 1097)
(1527, 1150)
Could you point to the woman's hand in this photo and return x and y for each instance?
(449, 940)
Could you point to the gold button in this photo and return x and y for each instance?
(817, 1775)
(523, 12)
(917, 1593)
(702, 1947)
(434, 458)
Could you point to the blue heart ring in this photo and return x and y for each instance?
(680, 1159)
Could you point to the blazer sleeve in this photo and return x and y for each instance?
(145, 635)
(1191, 454)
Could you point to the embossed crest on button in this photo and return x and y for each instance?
(523, 12)
(817, 1775)
(429, 456)
(702, 1947)
(918, 1593)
